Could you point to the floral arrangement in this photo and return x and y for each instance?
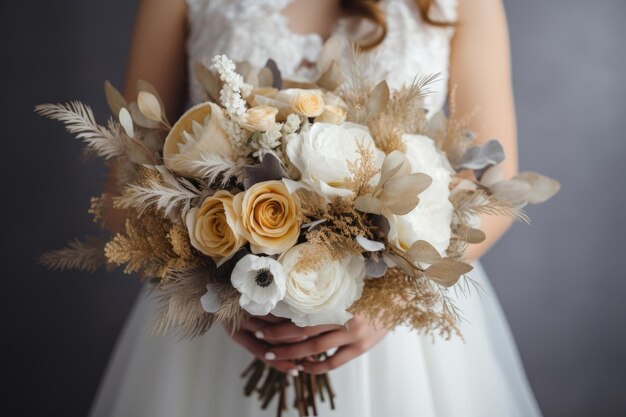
(312, 202)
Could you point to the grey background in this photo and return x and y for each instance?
(560, 280)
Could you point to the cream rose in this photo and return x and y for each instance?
(268, 216)
(322, 296)
(332, 114)
(260, 118)
(430, 220)
(322, 152)
(307, 103)
(212, 226)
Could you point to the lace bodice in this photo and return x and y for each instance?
(256, 30)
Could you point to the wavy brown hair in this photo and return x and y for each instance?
(370, 10)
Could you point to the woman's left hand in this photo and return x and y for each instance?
(357, 337)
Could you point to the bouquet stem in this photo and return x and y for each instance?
(268, 382)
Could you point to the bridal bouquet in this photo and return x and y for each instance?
(312, 202)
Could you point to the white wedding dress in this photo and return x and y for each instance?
(406, 374)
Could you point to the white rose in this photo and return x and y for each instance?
(430, 220)
(322, 152)
(261, 282)
(322, 296)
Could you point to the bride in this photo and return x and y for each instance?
(375, 372)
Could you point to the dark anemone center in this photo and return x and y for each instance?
(264, 277)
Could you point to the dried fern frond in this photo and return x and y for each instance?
(158, 189)
(83, 256)
(151, 246)
(397, 299)
(181, 310)
(80, 121)
(471, 203)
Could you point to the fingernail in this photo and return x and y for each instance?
(259, 334)
(293, 372)
(300, 367)
(270, 356)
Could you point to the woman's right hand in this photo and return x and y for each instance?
(251, 338)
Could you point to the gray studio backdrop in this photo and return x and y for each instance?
(560, 280)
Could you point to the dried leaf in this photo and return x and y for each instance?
(378, 99)
(448, 271)
(266, 78)
(369, 245)
(368, 204)
(541, 188)
(471, 235)
(149, 106)
(395, 163)
(423, 252)
(127, 122)
(332, 78)
(492, 176)
(331, 52)
(512, 190)
(277, 79)
(209, 82)
(115, 100)
(400, 194)
(143, 85)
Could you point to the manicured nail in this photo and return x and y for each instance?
(270, 356)
(259, 334)
(293, 372)
(300, 367)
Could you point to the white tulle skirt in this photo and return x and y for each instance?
(405, 375)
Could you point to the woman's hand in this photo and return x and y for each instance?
(287, 342)
(248, 336)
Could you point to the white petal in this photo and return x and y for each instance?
(211, 300)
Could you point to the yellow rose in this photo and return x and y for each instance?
(307, 103)
(332, 114)
(268, 217)
(260, 118)
(212, 227)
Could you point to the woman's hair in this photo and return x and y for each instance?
(370, 10)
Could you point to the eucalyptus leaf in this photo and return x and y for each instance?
(115, 100)
(483, 156)
(407, 186)
(368, 204)
(471, 235)
(378, 99)
(395, 163)
(140, 119)
(513, 190)
(448, 271)
(541, 188)
(375, 266)
(492, 175)
(402, 206)
(267, 170)
(423, 252)
(402, 263)
(369, 245)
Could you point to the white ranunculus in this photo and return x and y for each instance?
(430, 220)
(322, 296)
(261, 282)
(322, 152)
